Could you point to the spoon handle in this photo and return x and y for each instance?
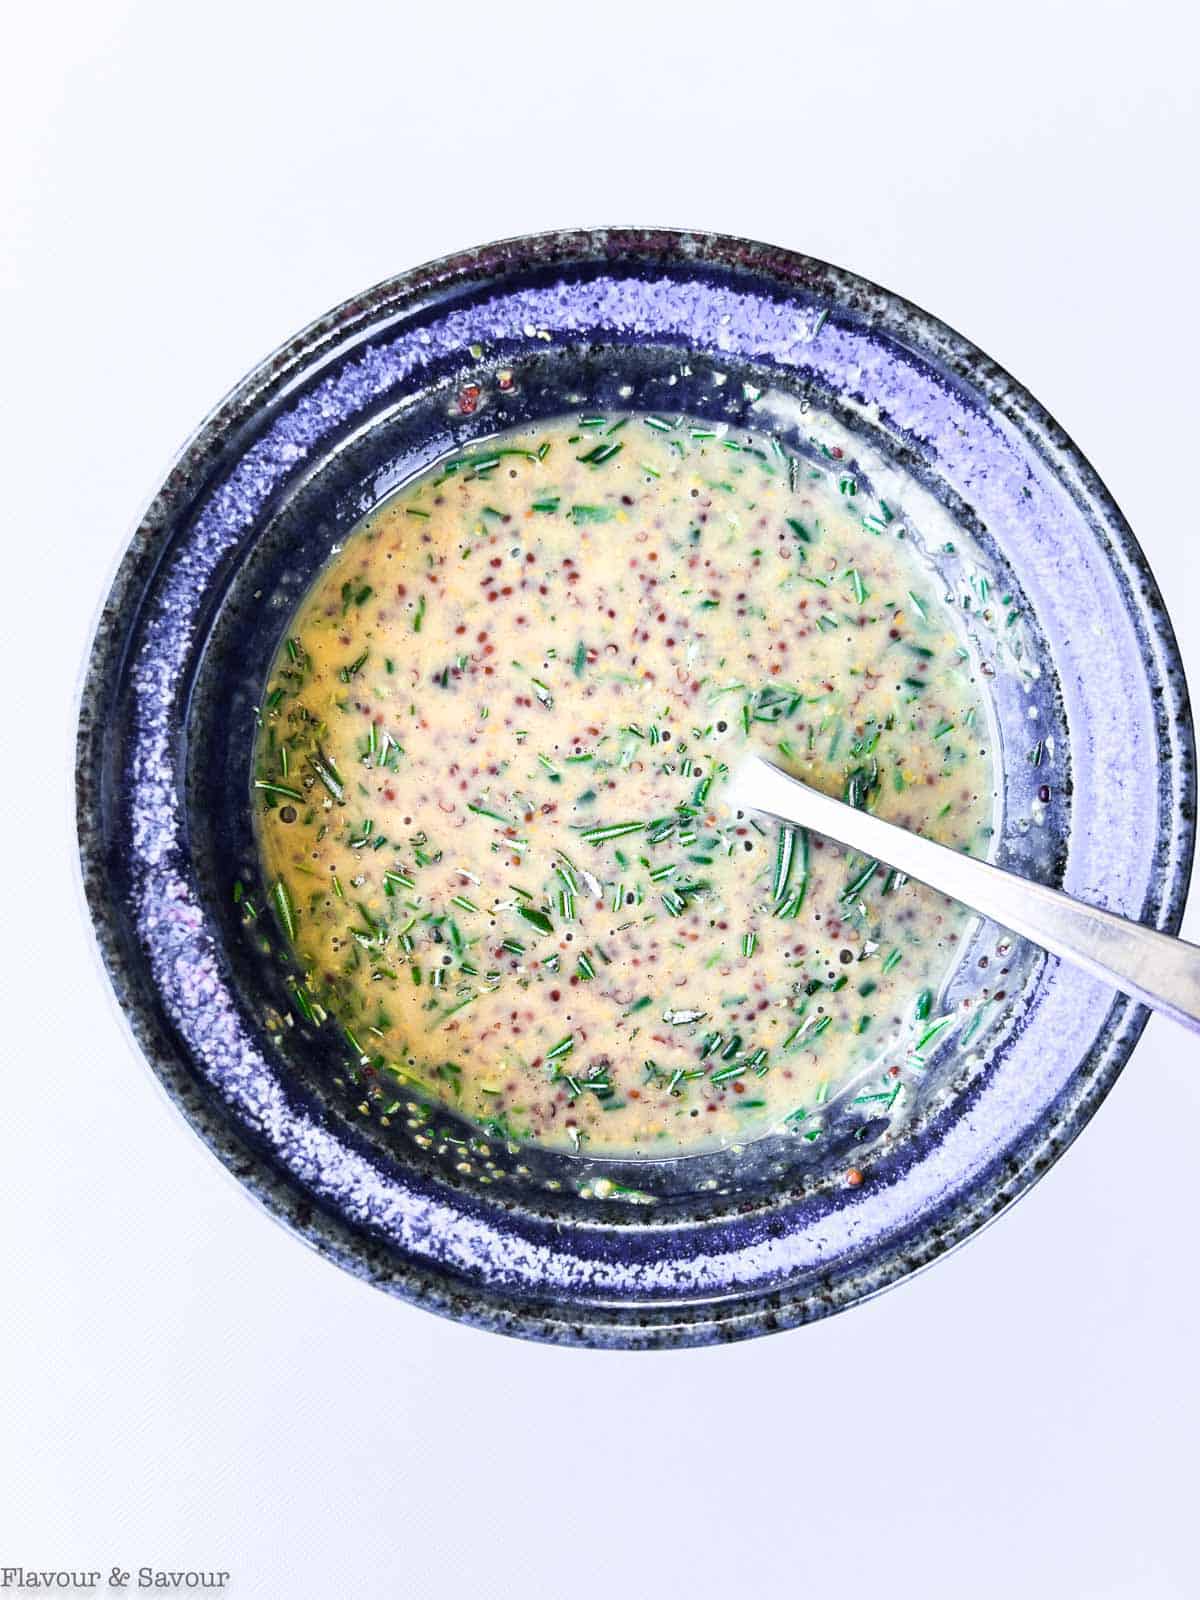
(1161, 972)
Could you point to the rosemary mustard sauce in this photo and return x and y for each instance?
(489, 786)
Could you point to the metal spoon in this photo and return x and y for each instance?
(1161, 972)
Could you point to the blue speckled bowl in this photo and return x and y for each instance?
(720, 1246)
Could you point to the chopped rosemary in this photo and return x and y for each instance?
(638, 614)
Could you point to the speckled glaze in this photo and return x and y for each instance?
(726, 1246)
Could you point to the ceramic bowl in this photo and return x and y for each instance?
(1086, 694)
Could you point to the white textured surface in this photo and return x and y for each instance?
(183, 1385)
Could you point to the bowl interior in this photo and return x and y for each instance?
(270, 577)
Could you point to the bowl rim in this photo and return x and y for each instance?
(278, 1191)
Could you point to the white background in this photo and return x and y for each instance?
(180, 1382)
